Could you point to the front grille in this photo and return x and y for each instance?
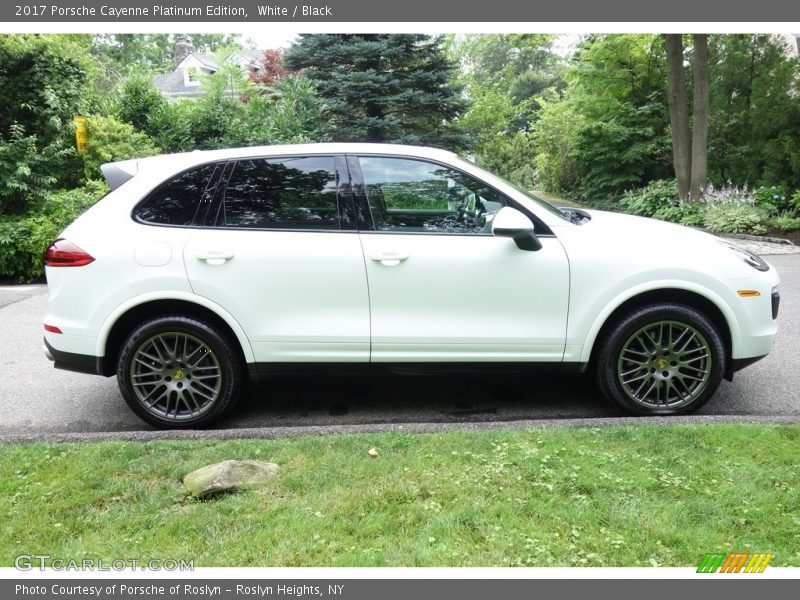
(776, 302)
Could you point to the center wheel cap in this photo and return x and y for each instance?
(178, 374)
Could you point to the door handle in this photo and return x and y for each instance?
(390, 259)
(215, 258)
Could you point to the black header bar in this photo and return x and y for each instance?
(410, 11)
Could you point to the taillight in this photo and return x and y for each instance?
(52, 328)
(63, 253)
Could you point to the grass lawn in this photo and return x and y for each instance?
(627, 496)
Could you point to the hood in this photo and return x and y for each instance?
(628, 238)
(633, 227)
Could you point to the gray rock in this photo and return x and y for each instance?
(229, 475)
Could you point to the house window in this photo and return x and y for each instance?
(192, 76)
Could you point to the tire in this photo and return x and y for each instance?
(661, 359)
(177, 372)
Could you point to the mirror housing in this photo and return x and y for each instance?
(509, 222)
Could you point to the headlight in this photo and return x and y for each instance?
(751, 259)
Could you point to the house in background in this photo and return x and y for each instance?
(190, 66)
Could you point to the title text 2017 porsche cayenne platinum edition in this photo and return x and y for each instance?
(200, 270)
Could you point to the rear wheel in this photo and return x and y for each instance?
(661, 359)
(178, 372)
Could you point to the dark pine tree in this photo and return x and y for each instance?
(384, 88)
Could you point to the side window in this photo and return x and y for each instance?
(283, 193)
(409, 195)
(175, 201)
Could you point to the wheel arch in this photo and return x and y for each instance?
(118, 325)
(703, 300)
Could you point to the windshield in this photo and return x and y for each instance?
(541, 202)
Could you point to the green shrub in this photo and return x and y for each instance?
(786, 222)
(110, 140)
(689, 214)
(28, 168)
(794, 203)
(24, 238)
(523, 177)
(736, 218)
(647, 201)
(774, 199)
(139, 100)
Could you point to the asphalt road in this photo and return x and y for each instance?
(36, 399)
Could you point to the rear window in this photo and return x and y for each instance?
(176, 201)
(282, 193)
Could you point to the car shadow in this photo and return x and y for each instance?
(324, 399)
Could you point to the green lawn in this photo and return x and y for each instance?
(622, 496)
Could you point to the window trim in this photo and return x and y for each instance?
(360, 198)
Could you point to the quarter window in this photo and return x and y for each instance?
(175, 202)
(283, 193)
(409, 195)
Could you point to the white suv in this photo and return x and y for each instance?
(201, 270)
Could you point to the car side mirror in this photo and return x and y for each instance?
(509, 222)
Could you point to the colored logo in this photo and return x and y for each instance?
(734, 562)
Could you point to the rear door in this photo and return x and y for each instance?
(281, 254)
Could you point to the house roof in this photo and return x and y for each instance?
(174, 83)
(207, 59)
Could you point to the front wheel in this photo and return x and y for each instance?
(178, 372)
(662, 359)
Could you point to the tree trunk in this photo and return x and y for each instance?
(678, 114)
(699, 177)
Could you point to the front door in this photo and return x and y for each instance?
(441, 287)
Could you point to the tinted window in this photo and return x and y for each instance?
(419, 196)
(175, 202)
(290, 193)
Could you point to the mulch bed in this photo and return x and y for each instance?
(793, 236)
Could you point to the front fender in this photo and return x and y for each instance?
(651, 286)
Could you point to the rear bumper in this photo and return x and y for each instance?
(69, 361)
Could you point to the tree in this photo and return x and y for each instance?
(678, 114)
(506, 77)
(44, 83)
(607, 133)
(383, 88)
(690, 159)
(272, 68)
(754, 113)
(699, 178)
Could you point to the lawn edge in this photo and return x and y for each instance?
(268, 433)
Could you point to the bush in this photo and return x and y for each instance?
(773, 199)
(657, 196)
(110, 140)
(794, 203)
(24, 238)
(736, 218)
(691, 214)
(786, 222)
(139, 100)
